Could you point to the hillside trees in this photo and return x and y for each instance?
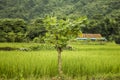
(29, 9)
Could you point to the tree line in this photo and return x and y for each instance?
(19, 30)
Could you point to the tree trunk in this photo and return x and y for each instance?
(59, 63)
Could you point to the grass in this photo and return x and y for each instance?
(93, 61)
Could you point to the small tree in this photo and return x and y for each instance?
(59, 32)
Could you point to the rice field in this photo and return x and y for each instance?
(84, 62)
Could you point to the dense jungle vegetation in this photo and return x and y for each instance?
(23, 21)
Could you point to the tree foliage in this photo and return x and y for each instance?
(60, 31)
(29, 9)
(12, 30)
(36, 29)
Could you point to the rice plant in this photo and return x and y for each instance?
(85, 60)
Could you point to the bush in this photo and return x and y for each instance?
(20, 37)
(38, 40)
(117, 40)
(2, 39)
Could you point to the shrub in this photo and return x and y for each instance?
(117, 39)
(38, 40)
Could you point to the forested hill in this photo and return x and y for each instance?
(29, 9)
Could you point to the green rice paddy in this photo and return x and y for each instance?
(83, 61)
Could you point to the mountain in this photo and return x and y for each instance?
(29, 9)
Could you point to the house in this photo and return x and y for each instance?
(92, 37)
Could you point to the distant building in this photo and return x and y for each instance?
(93, 37)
